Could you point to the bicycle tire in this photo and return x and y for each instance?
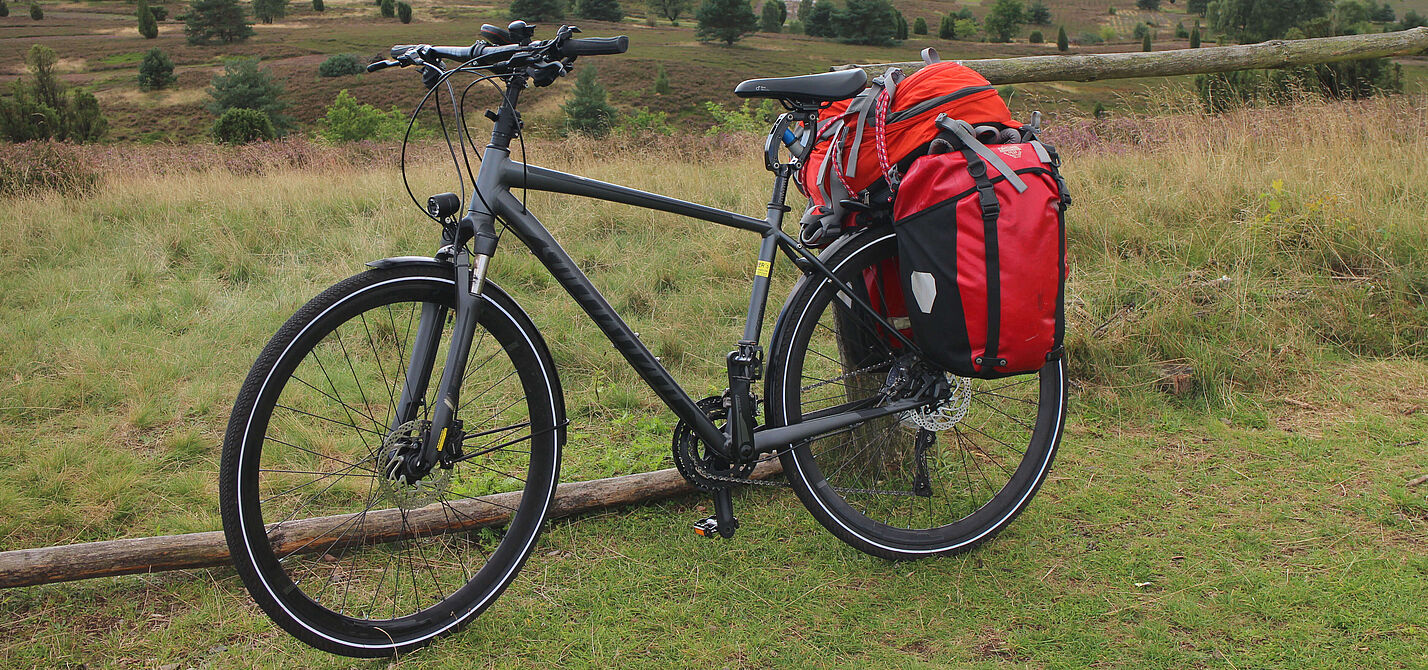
(863, 484)
(287, 457)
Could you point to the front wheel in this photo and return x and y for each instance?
(918, 483)
(336, 551)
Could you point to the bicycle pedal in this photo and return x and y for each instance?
(709, 527)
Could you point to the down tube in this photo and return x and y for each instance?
(560, 265)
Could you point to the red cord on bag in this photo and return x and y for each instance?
(880, 136)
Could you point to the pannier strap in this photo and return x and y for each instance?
(963, 131)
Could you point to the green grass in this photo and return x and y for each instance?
(1260, 519)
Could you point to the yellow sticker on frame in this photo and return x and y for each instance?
(763, 269)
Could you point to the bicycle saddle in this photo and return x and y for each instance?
(810, 88)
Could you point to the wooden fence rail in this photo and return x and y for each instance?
(45, 565)
(1272, 54)
(27, 567)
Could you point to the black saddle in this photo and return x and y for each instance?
(808, 88)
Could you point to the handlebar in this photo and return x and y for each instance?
(500, 57)
(594, 46)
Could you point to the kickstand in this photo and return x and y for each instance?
(921, 482)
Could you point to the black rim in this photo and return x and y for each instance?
(321, 430)
(870, 478)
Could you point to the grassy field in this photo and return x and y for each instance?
(101, 50)
(1261, 518)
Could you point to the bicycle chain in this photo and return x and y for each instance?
(705, 474)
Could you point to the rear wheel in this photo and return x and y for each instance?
(335, 551)
(940, 480)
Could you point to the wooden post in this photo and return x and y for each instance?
(1272, 54)
(46, 565)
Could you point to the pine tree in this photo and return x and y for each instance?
(768, 17)
(669, 9)
(35, 12)
(387, 8)
(587, 112)
(156, 71)
(867, 22)
(244, 85)
(947, 29)
(726, 21)
(1145, 42)
(600, 10)
(43, 107)
(919, 26)
(1038, 14)
(4, 9)
(805, 9)
(538, 10)
(404, 12)
(1062, 43)
(1003, 20)
(148, 27)
(317, 6)
(268, 10)
(1195, 36)
(209, 21)
(820, 20)
(901, 26)
(661, 82)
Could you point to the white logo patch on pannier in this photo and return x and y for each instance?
(924, 288)
(1010, 149)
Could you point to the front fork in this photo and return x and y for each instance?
(442, 442)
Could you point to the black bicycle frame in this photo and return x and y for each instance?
(492, 199)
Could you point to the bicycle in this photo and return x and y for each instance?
(372, 502)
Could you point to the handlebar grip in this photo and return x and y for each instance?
(595, 46)
(381, 65)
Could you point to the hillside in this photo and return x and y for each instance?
(1259, 517)
(101, 50)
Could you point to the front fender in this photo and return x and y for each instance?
(397, 261)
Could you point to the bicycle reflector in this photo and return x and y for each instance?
(443, 205)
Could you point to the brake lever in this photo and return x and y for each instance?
(382, 65)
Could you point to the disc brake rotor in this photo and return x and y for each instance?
(945, 414)
(399, 445)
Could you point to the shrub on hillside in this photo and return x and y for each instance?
(241, 126)
(341, 65)
(317, 6)
(538, 10)
(58, 166)
(209, 21)
(661, 81)
(156, 71)
(725, 21)
(919, 26)
(387, 8)
(645, 122)
(35, 12)
(1003, 20)
(160, 13)
(43, 107)
(347, 120)
(4, 9)
(1035, 37)
(742, 119)
(404, 12)
(1062, 43)
(244, 85)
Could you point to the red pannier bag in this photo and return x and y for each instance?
(897, 111)
(981, 237)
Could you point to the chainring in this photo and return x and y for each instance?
(700, 465)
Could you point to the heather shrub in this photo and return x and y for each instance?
(341, 65)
